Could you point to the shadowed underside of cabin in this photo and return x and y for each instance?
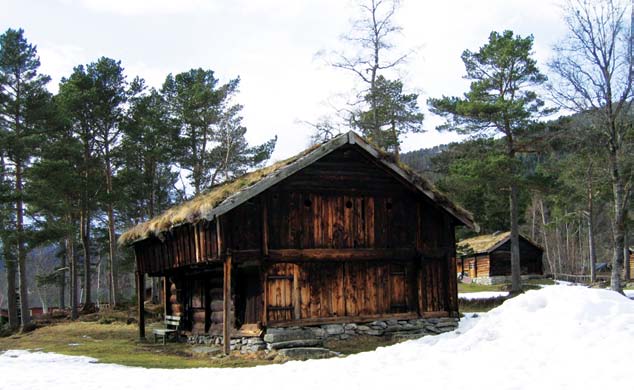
(345, 237)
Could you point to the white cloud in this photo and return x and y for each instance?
(144, 7)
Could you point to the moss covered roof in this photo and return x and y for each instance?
(222, 198)
(486, 243)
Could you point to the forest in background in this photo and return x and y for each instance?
(105, 152)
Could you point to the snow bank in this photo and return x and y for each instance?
(483, 295)
(560, 337)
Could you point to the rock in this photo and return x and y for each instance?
(374, 332)
(306, 353)
(318, 332)
(393, 328)
(350, 326)
(391, 322)
(297, 344)
(291, 334)
(432, 329)
(333, 329)
(206, 350)
(378, 325)
(408, 335)
(362, 328)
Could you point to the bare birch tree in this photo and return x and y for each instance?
(594, 69)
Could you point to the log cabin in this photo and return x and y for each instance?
(339, 233)
(486, 259)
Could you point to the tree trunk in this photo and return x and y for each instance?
(84, 222)
(516, 281)
(626, 255)
(62, 283)
(72, 261)
(112, 239)
(619, 223)
(24, 292)
(591, 247)
(85, 243)
(545, 237)
(12, 303)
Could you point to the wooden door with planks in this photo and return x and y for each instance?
(280, 293)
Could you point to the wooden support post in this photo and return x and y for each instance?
(226, 309)
(166, 298)
(219, 237)
(296, 293)
(265, 228)
(140, 293)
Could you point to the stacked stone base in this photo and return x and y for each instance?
(308, 341)
(490, 280)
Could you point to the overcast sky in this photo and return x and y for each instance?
(272, 46)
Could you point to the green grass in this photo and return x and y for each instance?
(474, 287)
(483, 305)
(118, 343)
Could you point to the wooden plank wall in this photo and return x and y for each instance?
(339, 289)
(184, 245)
(311, 220)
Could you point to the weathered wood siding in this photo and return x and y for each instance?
(341, 238)
(309, 291)
(182, 246)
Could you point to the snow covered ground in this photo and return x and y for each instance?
(483, 295)
(560, 337)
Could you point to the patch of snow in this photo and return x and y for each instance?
(629, 293)
(483, 295)
(564, 283)
(559, 337)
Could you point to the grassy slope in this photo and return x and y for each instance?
(117, 343)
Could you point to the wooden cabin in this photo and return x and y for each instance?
(486, 259)
(339, 233)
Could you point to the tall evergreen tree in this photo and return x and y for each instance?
(24, 105)
(392, 112)
(94, 98)
(500, 101)
(211, 137)
(196, 101)
(146, 159)
(56, 187)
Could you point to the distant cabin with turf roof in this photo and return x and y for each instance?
(339, 234)
(486, 259)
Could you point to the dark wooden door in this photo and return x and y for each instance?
(279, 292)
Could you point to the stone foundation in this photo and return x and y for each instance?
(490, 280)
(289, 340)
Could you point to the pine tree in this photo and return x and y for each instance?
(24, 106)
(500, 101)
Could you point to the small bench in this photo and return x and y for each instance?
(172, 325)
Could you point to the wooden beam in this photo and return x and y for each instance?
(356, 319)
(342, 254)
(140, 294)
(226, 310)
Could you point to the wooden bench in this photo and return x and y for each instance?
(172, 326)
